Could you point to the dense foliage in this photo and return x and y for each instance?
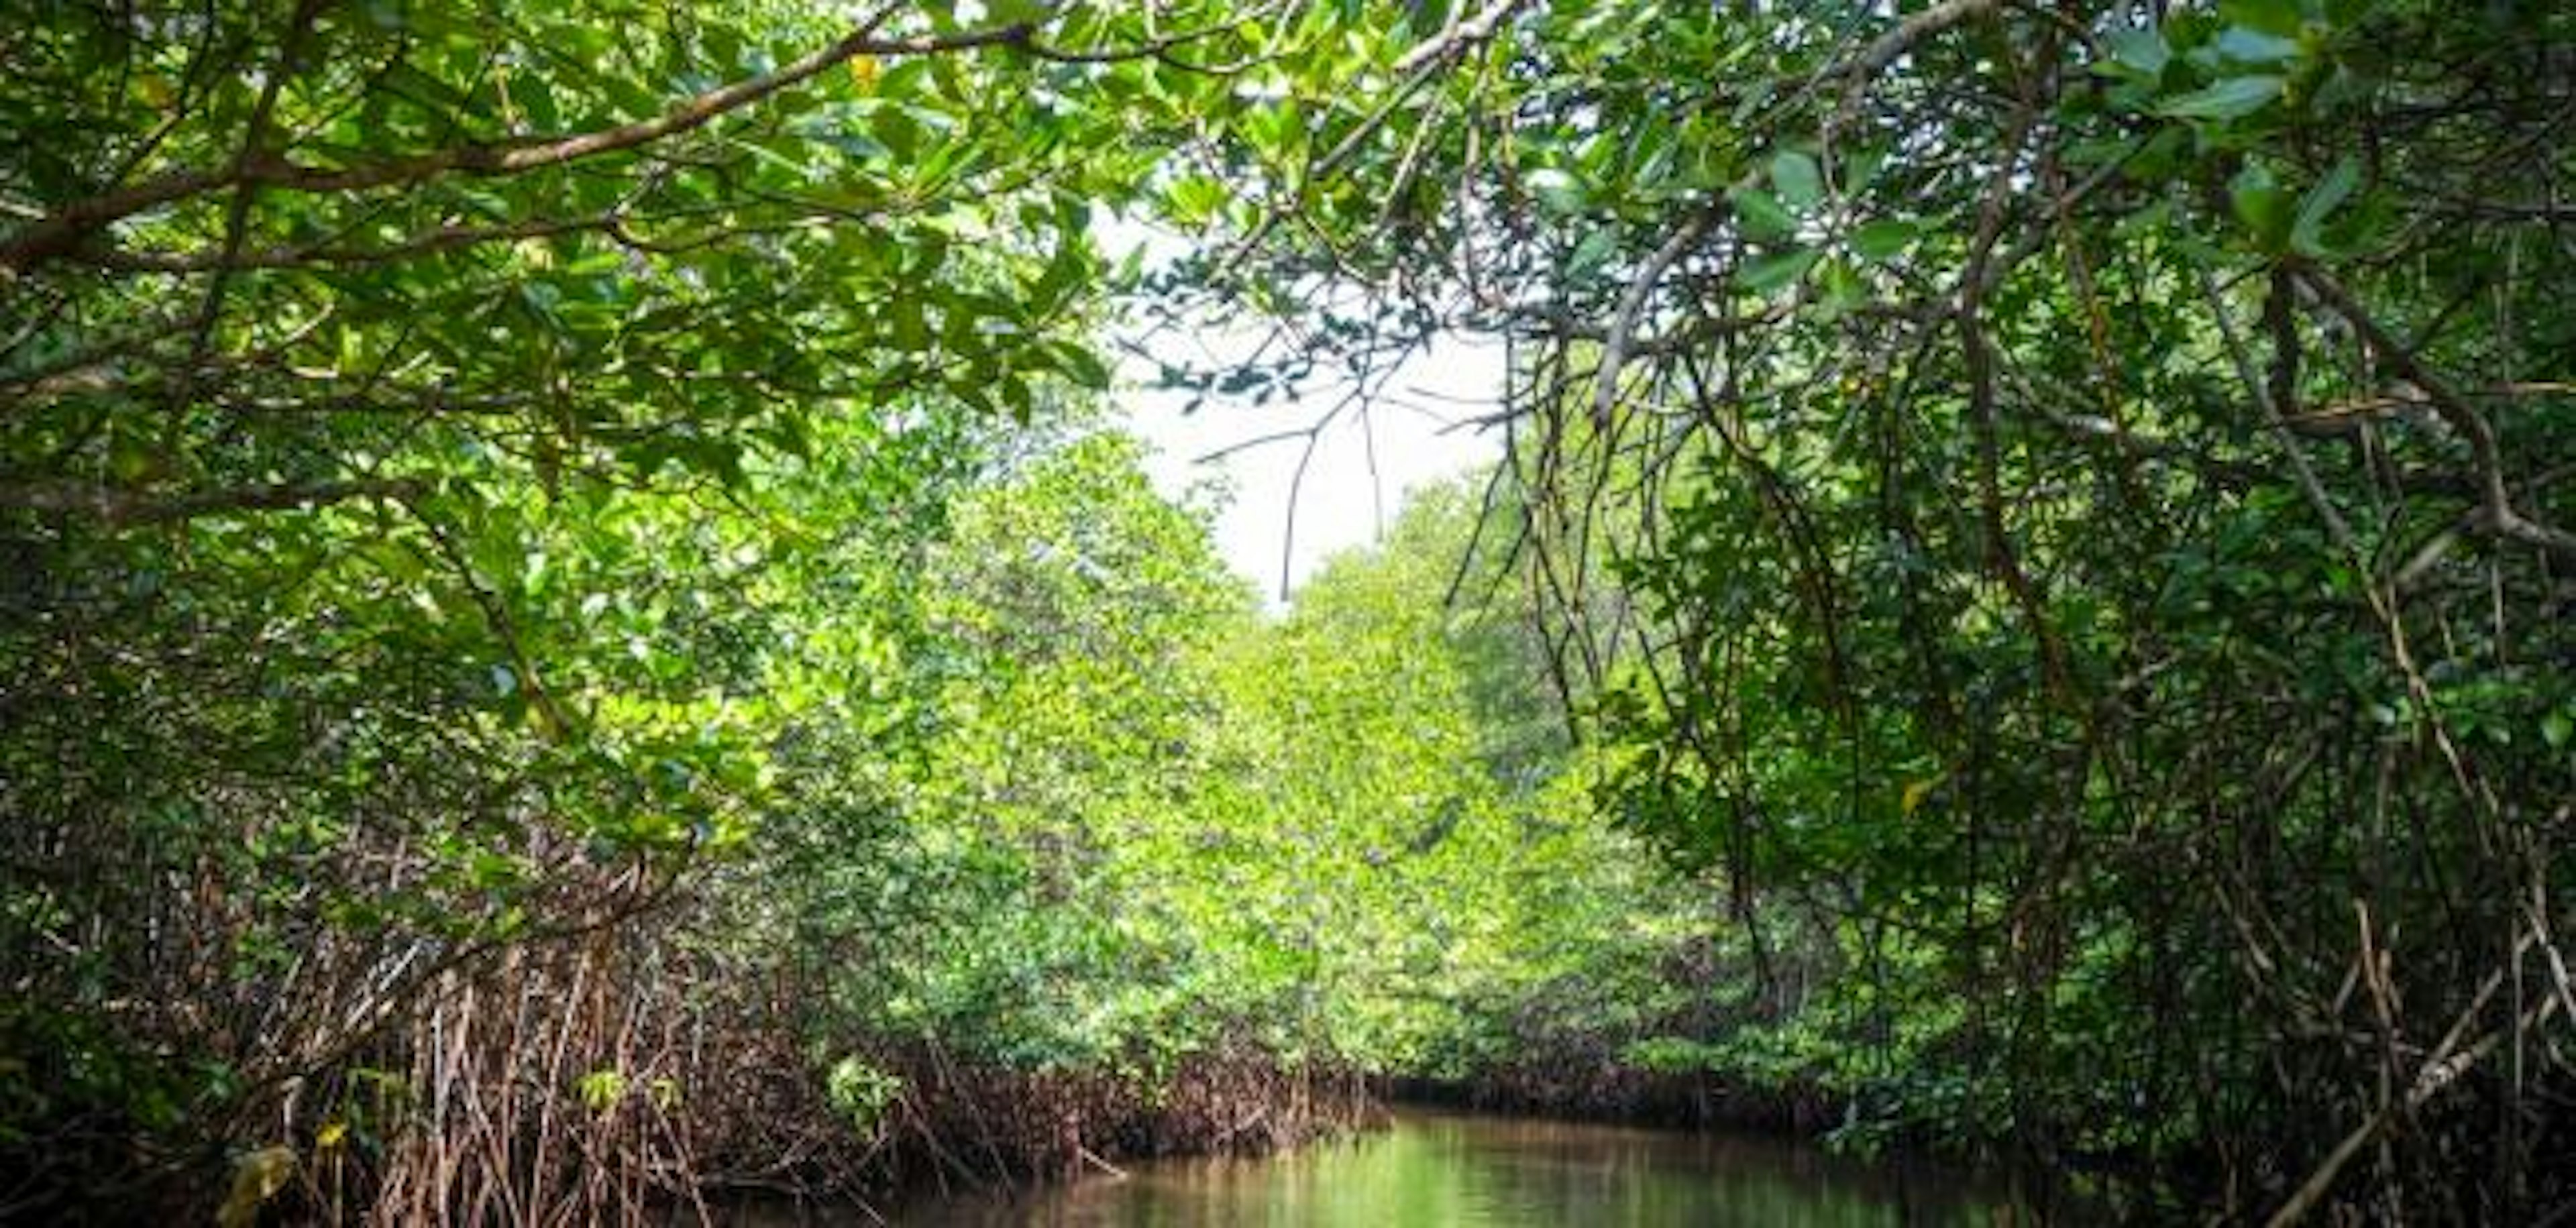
(571, 636)
(467, 479)
(2063, 511)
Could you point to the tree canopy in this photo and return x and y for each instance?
(576, 627)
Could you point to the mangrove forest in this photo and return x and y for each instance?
(590, 633)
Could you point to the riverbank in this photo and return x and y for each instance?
(1626, 1095)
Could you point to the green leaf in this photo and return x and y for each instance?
(1842, 285)
(2556, 728)
(1556, 190)
(1194, 199)
(1778, 270)
(1594, 252)
(1761, 215)
(1860, 168)
(2232, 98)
(1083, 367)
(2272, 16)
(2261, 204)
(1014, 12)
(2307, 232)
(1800, 184)
(1884, 238)
(536, 100)
(2256, 47)
(2141, 49)
(906, 327)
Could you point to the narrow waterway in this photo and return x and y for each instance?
(1472, 1171)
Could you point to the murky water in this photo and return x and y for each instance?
(1463, 1171)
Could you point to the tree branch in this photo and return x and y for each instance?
(2497, 510)
(1632, 306)
(61, 231)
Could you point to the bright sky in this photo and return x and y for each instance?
(1416, 428)
(1416, 432)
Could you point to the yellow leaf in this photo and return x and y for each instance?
(256, 1177)
(863, 72)
(1916, 791)
(330, 1134)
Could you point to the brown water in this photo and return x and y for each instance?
(1451, 1170)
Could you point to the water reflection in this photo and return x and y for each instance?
(1496, 1172)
